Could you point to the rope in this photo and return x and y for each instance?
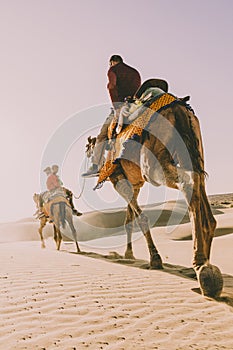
(84, 180)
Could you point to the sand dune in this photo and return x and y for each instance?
(110, 222)
(57, 300)
(99, 300)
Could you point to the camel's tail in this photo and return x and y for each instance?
(61, 214)
(191, 134)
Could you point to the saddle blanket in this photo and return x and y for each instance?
(130, 132)
(50, 195)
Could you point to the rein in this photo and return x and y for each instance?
(84, 181)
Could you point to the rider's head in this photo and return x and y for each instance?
(55, 169)
(48, 170)
(115, 59)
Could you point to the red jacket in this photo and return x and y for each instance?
(52, 182)
(123, 82)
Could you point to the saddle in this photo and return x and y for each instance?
(124, 145)
(134, 117)
(159, 83)
(52, 197)
(52, 194)
(133, 106)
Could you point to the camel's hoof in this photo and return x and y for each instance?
(129, 255)
(42, 245)
(210, 280)
(156, 263)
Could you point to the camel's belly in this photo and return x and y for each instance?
(151, 170)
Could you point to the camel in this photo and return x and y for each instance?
(170, 152)
(57, 211)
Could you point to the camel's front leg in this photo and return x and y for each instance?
(155, 259)
(125, 189)
(43, 222)
(129, 230)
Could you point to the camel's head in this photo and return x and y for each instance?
(90, 146)
(36, 199)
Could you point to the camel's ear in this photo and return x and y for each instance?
(89, 139)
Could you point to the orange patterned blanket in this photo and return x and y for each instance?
(129, 132)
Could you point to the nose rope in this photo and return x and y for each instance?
(84, 179)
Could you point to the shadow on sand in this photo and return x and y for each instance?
(181, 271)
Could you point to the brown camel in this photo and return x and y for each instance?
(57, 211)
(170, 152)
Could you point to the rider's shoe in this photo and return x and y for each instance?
(76, 212)
(92, 171)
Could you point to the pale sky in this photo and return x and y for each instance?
(54, 60)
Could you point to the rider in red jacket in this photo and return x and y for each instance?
(123, 81)
(52, 181)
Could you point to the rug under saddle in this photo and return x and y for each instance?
(131, 132)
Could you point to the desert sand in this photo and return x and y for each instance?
(98, 300)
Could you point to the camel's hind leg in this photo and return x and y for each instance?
(192, 195)
(125, 189)
(208, 220)
(56, 225)
(189, 183)
(43, 222)
(57, 235)
(69, 219)
(203, 226)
